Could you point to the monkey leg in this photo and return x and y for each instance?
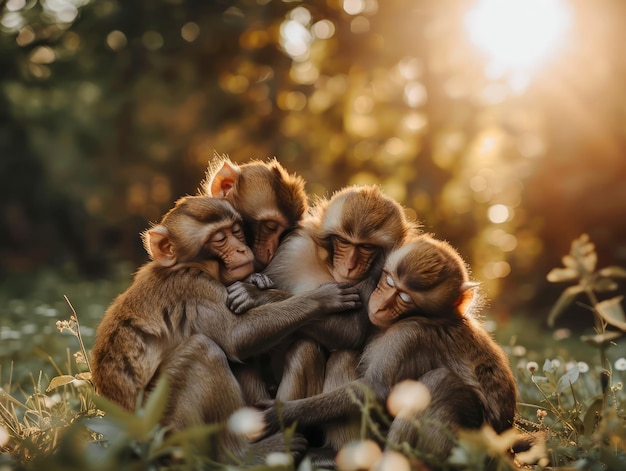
(303, 371)
(250, 378)
(453, 406)
(202, 387)
(341, 368)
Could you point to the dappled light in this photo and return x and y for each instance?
(497, 124)
(518, 35)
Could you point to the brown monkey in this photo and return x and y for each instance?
(427, 332)
(270, 200)
(173, 318)
(344, 239)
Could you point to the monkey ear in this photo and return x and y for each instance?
(224, 180)
(159, 246)
(469, 285)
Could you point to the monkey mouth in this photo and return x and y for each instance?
(247, 267)
(379, 320)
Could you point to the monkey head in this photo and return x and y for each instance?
(358, 227)
(203, 231)
(270, 200)
(425, 277)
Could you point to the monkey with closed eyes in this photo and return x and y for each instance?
(173, 320)
(426, 331)
(344, 239)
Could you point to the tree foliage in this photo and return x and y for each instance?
(110, 110)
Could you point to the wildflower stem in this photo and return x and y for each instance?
(78, 334)
(554, 410)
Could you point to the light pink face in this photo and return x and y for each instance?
(351, 262)
(389, 301)
(228, 244)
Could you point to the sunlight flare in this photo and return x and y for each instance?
(518, 34)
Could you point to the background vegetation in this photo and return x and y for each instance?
(110, 110)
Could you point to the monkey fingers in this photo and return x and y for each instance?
(272, 416)
(260, 280)
(338, 297)
(242, 297)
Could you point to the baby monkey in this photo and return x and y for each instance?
(421, 308)
(173, 320)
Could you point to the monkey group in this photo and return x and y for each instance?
(255, 297)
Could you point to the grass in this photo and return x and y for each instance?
(571, 403)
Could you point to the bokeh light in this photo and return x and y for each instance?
(518, 34)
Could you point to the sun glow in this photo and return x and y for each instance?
(518, 35)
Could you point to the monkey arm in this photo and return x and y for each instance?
(263, 327)
(345, 330)
(319, 409)
(339, 331)
(245, 296)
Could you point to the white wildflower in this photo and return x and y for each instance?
(583, 367)
(408, 397)
(620, 364)
(358, 455)
(4, 436)
(278, 458)
(532, 366)
(248, 422)
(392, 461)
(519, 351)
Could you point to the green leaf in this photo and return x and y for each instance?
(613, 272)
(157, 402)
(592, 416)
(558, 275)
(131, 423)
(569, 378)
(570, 262)
(604, 284)
(598, 340)
(567, 297)
(612, 312)
(58, 381)
(589, 261)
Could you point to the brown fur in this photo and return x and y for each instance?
(262, 192)
(466, 372)
(173, 319)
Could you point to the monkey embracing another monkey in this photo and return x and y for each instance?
(344, 239)
(426, 332)
(173, 320)
(270, 201)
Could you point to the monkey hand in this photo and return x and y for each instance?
(337, 297)
(242, 297)
(260, 280)
(271, 410)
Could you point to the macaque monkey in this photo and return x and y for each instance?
(173, 319)
(427, 332)
(271, 201)
(343, 239)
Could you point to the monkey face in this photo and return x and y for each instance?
(389, 301)
(227, 243)
(266, 233)
(351, 262)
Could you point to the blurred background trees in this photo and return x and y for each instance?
(502, 130)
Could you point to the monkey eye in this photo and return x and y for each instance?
(237, 229)
(369, 248)
(404, 297)
(390, 281)
(219, 237)
(269, 226)
(341, 241)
